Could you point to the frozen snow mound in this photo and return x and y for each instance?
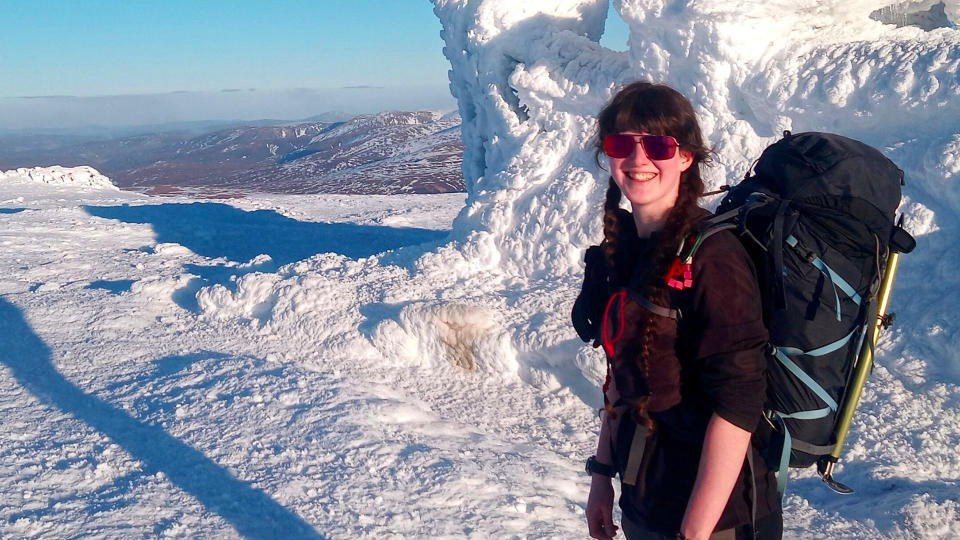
(83, 177)
(463, 334)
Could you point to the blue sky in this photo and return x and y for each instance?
(97, 47)
(61, 60)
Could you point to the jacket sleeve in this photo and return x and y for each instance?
(588, 308)
(728, 330)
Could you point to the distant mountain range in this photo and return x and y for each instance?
(387, 153)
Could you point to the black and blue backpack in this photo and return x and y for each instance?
(816, 215)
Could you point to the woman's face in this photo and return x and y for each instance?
(650, 185)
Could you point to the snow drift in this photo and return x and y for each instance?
(76, 177)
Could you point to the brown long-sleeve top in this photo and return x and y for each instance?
(711, 362)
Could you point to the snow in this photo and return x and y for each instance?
(295, 366)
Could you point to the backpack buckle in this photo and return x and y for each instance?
(680, 276)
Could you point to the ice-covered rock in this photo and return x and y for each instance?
(924, 14)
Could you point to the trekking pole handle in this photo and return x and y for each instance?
(865, 358)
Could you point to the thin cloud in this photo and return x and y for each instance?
(45, 97)
(67, 112)
(363, 87)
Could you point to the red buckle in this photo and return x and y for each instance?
(680, 276)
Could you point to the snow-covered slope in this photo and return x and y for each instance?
(387, 153)
(367, 379)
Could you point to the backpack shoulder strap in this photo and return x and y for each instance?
(680, 276)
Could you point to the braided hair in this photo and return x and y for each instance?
(656, 109)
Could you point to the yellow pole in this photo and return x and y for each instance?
(865, 358)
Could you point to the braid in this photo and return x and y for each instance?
(678, 224)
(611, 225)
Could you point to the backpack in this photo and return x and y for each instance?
(817, 217)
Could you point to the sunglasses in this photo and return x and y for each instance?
(657, 147)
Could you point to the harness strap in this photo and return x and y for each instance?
(776, 251)
(753, 492)
(806, 415)
(707, 233)
(784, 457)
(754, 200)
(637, 445)
(806, 379)
(820, 351)
(812, 449)
(789, 443)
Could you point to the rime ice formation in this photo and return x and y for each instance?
(529, 77)
(78, 177)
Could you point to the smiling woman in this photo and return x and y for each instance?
(180, 61)
(682, 393)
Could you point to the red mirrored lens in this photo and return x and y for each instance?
(618, 146)
(658, 147)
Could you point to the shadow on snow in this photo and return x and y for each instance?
(114, 287)
(248, 510)
(883, 501)
(218, 230)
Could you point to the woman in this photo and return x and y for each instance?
(685, 344)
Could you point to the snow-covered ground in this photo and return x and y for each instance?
(275, 367)
(131, 406)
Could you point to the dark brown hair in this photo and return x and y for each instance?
(659, 110)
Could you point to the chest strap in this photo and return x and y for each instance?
(656, 309)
